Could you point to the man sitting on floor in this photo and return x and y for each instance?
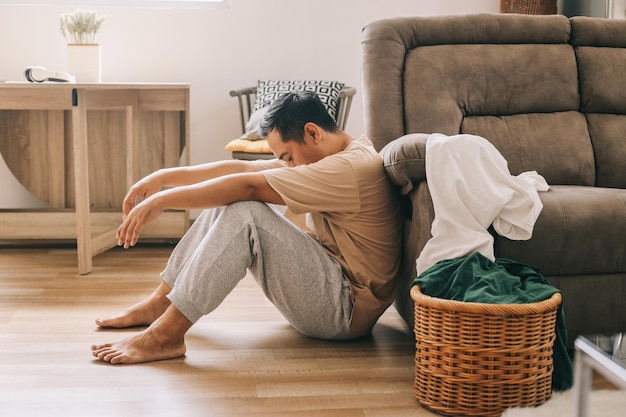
(332, 281)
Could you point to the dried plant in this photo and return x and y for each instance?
(80, 26)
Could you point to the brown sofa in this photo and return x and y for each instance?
(550, 93)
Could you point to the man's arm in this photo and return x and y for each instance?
(186, 175)
(220, 191)
(180, 176)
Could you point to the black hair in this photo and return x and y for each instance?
(289, 113)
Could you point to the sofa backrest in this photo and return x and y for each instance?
(512, 79)
(600, 46)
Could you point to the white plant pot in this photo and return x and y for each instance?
(83, 62)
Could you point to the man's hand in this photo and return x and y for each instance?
(143, 189)
(136, 219)
(220, 191)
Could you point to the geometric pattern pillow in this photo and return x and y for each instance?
(328, 92)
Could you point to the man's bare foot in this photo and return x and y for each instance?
(143, 313)
(164, 339)
(143, 347)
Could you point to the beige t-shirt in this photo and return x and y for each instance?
(353, 211)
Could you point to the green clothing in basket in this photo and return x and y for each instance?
(477, 279)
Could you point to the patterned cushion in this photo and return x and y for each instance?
(328, 92)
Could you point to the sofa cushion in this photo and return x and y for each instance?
(531, 116)
(556, 145)
(579, 231)
(602, 84)
(385, 46)
(404, 161)
(601, 53)
(485, 80)
(588, 31)
(608, 136)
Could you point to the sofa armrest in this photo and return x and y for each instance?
(404, 161)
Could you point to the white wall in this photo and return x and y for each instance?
(215, 50)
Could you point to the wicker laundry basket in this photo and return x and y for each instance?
(528, 6)
(476, 359)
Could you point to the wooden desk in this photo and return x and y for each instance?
(79, 147)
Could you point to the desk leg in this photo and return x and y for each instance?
(81, 181)
(582, 384)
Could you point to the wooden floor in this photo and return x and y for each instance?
(242, 360)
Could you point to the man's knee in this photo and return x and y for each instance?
(247, 208)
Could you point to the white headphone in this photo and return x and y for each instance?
(40, 74)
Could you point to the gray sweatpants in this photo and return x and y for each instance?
(297, 276)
